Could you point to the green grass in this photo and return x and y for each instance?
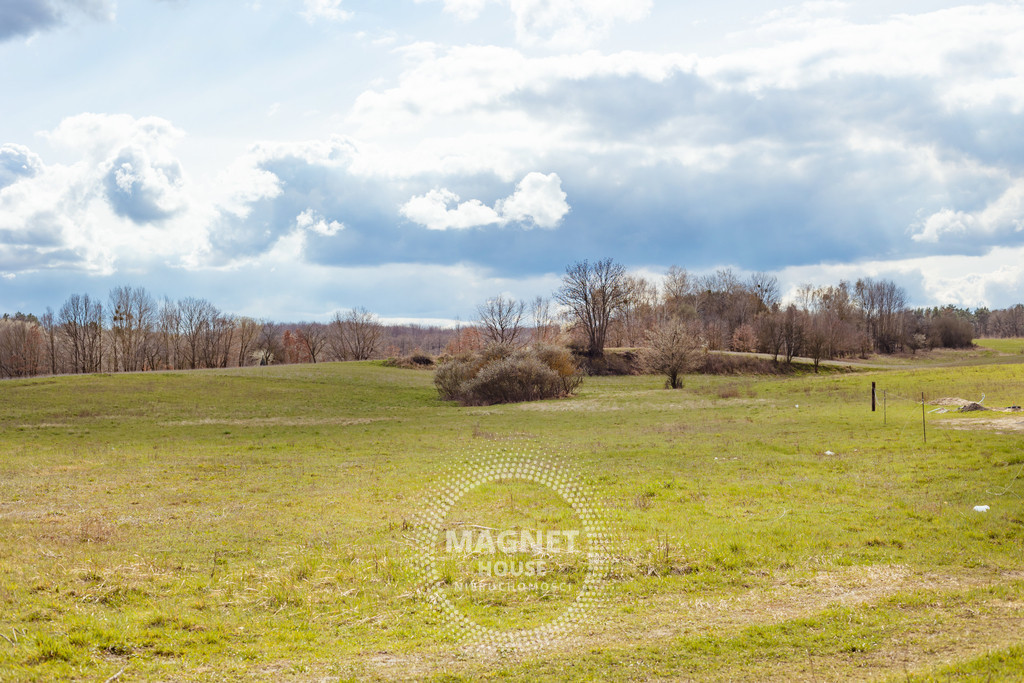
(255, 524)
(1013, 346)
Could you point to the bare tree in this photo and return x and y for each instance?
(49, 325)
(216, 339)
(197, 319)
(792, 331)
(637, 313)
(883, 303)
(248, 329)
(313, 338)
(357, 334)
(169, 333)
(545, 329)
(678, 288)
(81, 324)
(501, 319)
(674, 348)
(593, 294)
(817, 337)
(22, 349)
(269, 348)
(770, 337)
(132, 317)
(766, 288)
(838, 316)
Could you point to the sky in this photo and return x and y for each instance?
(286, 159)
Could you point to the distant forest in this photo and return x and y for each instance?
(131, 330)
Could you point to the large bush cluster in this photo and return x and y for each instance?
(501, 373)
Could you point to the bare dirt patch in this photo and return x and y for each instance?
(950, 402)
(1003, 424)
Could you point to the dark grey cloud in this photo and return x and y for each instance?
(42, 230)
(26, 17)
(19, 258)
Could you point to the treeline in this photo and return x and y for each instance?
(821, 322)
(603, 306)
(133, 331)
(598, 305)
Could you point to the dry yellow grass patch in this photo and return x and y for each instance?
(276, 421)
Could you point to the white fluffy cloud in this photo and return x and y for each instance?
(1005, 214)
(124, 194)
(141, 177)
(433, 211)
(313, 222)
(538, 201)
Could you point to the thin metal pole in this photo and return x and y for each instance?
(924, 426)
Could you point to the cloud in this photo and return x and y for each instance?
(141, 177)
(325, 9)
(432, 211)
(993, 279)
(1005, 214)
(17, 162)
(538, 201)
(122, 197)
(312, 221)
(557, 23)
(572, 23)
(966, 49)
(27, 17)
(95, 134)
(142, 188)
(278, 189)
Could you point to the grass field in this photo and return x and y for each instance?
(1011, 346)
(254, 524)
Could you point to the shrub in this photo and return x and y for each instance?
(560, 359)
(744, 339)
(450, 378)
(513, 379)
(502, 374)
(674, 349)
(414, 361)
(951, 332)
